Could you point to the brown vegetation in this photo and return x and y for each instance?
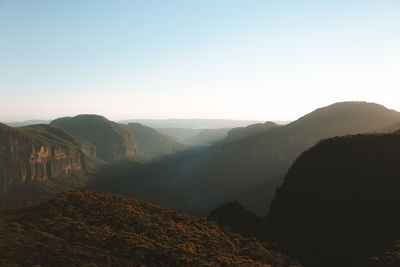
(79, 229)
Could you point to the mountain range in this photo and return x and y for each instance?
(326, 183)
(339, 200)
(254, 166)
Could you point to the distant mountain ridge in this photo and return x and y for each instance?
(179, 133)
(153, 144)
(26, 123)
(192, 123)
(208, 137)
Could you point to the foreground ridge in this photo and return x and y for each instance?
(102, 229)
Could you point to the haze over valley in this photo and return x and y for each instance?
(199, 133)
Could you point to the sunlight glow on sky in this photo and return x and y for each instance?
(248, 59)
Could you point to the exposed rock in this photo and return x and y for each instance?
(39, 152)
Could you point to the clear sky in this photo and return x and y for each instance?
(249, 59)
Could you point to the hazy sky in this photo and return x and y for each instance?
(264, 60)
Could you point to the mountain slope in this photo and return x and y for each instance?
(152, 144)
(39, 152)
(113, 141)
(179, 133)
(340, 199)
(97, 229)
(207, 137)
(253, 129)
(241, 167)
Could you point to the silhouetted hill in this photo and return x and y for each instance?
(239, 220)
(192, 123)
(242, 167)
(253, 129)
(207, 137)
(152, 144)
(97, 229)
(340, 200)
(113, 141)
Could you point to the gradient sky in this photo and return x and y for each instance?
(264, 60)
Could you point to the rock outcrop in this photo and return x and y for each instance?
(39, 152)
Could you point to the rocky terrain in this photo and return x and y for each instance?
(39, 152)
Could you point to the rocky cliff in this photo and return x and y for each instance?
(39, 152)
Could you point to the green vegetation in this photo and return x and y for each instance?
(113, 141)
(40, 134)
(153, 144)
(35, 191)
(98, 229)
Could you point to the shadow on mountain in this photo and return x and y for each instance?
(338, 204)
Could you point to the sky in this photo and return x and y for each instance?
(149, 59)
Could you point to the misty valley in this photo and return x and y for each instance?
(322, 190)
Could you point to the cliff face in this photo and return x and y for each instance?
(39, 153)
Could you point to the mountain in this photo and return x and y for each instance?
(98, 229)
(26, 123)
(242, 167)
(179, 133)
(39, 152)
(113, 141)
(193, 123)
(253, 129)
(340, 199)
(152, 144)
(207, 137)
